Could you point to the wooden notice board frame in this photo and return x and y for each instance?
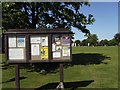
(28, 33)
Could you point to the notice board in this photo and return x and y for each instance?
(35, 46)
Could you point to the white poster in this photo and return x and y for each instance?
(56, 54)
(12, 41)
(35, 39)
(53, 47)
(35, 49)
(21, 41)
(44, 41)
(16, 54)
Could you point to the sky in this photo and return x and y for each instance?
(106, 20)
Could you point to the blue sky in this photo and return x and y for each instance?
(106, 24)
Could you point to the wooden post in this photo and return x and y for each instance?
(61, 73)
(17, 79)
(61, 84)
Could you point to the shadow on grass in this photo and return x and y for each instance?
(13, 79)
(77, 59)
(67, 85)
(88, 58)
(5, 66)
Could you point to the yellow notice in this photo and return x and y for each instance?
(44, 52)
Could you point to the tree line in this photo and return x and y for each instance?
(93, 40)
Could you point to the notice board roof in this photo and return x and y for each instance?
(39, 31)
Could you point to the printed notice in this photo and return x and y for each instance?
(53, 47)
(65, 40)
(16, 54)
(58, 47)
(56, 39)
(21, 41)
(35, 49)
(44, 52)
(66, 51)
(56, 54)
(44, 41)
(35, 39)
(12, 41)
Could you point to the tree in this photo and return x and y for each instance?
(77, 42)
(85, 42)
(92, 40)
(117, 38)
(113, 42)
(101, 43)
(104, 42)
(45, 15)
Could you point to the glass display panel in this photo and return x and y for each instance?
(39, 47)
(16, 47)
(60, 47)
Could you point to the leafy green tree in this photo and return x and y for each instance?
(93, 40)
(101, 43)
(45, 15)
(104, 42)
(84, 42)
(78, 43)
(113, 42)
(117, 38)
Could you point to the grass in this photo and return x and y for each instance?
(92, 67)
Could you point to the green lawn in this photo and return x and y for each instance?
(92, 67)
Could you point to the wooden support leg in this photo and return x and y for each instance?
(61, 84)
(17, 80)
(61, 73)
